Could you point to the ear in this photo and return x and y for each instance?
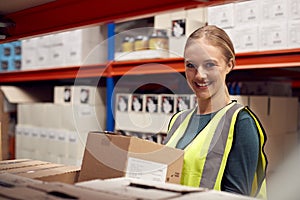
(230, 66)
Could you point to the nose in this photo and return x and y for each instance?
(200, 73)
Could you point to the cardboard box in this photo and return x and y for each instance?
(221, 15)
(19, 163)
(273, 36)
(139, 189)
(84, 46)
(283, 114)
(247, 12)
(15, 180)
(66, 191)
(244, 100)
(245, 38)
(293, 9)
(79, 95)
(17, 187)
(18, 192)
(40, 170)
(274, 10)
(111, 156)
(293, 33)
(213, 195)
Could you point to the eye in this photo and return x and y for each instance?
(190, 65)
(209, 64)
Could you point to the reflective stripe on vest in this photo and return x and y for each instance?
(206, 156)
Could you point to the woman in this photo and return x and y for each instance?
(223, 140)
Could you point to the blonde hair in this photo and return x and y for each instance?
(216, 37)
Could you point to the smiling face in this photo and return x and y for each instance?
(206, 69)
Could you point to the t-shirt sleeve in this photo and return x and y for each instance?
(243, 157)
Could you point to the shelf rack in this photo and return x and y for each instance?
(60, 15)
(288, 58)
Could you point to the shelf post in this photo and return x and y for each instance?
(110, 121)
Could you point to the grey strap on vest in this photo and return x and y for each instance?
(177, 123)
(216, 149)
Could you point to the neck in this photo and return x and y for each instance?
(213, 104)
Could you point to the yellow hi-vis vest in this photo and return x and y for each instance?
(206, 156)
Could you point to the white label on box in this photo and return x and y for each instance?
(85, 111)
(146, 170)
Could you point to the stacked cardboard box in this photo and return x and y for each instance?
(76, 47)
(40, 170)
(16, 187)
(57, 132)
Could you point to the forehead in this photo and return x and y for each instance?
(201, 49)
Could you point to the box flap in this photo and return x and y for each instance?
(20, 192)
(11, 179)
(127, 190)
(155, 185)
(32, 169)
(214, 195)
(27, 94)
(73, 192)
(97, 163)
(49, 170)
(19, 163)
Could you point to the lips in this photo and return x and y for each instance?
(201, 84)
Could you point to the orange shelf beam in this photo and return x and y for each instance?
(268, 59)
(257, 60)
(151, 66)
(53, 74)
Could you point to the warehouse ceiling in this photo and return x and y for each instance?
(7, 7)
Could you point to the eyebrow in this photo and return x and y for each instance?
(208, 60)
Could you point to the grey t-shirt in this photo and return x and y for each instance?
(243, 157)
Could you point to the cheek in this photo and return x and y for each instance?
(189, 75)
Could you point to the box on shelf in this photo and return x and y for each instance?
(56, 132)
(274, 11)
(129, 157)
(85, 46)
(293, 34)
(77, 47)
(29, 50)
(180, 24)
(79, 95)
(273, 36)
(221, 15)
(293, 9)
(247, 12)
(242, 99)
(245, 38)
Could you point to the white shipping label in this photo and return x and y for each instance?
(146, 170)
(86, 111)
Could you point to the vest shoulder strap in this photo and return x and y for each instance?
(175, 122)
